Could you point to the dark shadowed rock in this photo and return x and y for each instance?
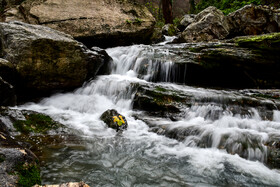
(114, 120)
(7, 94)
(208, 25)
(47, 60)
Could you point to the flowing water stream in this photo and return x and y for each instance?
(140, 157)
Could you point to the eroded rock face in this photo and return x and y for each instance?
(46, 60)
(99, 22)
(208, 25)
(254, 20)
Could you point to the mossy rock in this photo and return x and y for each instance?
(29, 174)
(269, 42)
(36, 123)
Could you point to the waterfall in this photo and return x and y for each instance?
(210, 144)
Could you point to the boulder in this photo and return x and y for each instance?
(254, 20)
(169, 30)
(7, 94)
(114, 120)
(95, 23)
(242, 62)
(208, 25)
(186, 21)
(46, 60)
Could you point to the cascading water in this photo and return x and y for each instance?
(211, 153)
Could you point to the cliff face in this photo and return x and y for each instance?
(101, 23)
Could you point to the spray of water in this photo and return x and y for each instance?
(220, 149)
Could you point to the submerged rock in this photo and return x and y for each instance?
(208, 25)
(114, 120)
(95, 23)
(46, 60)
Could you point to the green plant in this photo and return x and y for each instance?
(227, 6)
(29, 175)
(138, 20)
(176, 21)
(128, 21)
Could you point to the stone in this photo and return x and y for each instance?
(18, 165)
(210, 24)
(95, 23)
(169, 30)
(45, 59)
(112, 117)
(70, 184)
(253, 20)
(186, 21)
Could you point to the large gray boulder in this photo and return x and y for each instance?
(254, 20)
(45, 59)
(208, 25)
(96, 23)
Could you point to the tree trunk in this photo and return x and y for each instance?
(167, 11)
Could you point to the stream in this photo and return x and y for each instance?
(141, 157)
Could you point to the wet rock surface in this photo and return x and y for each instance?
(46, 60)
(159, 104)
(21, 134)
(114, 120)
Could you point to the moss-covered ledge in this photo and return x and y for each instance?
(269, 42)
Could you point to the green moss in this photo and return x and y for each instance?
(37, 123)
(172, 30)
(160, 89)
(266, 41)
(29, 175)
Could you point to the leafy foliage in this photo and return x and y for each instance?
(227, 6)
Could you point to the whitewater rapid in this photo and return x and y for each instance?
(140, 157)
